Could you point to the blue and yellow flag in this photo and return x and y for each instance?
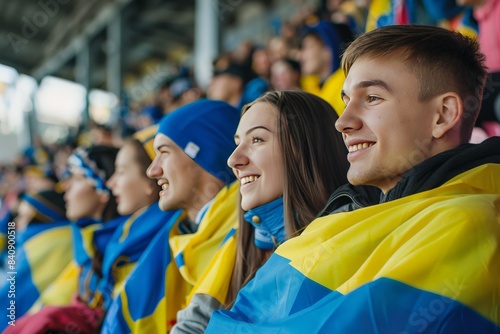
(445, 13)
(126, 245)
(5, 223)
(216, 279)
(158, 286)
(42, 252)
(143, 292)
(428, 263)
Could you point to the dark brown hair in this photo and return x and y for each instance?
(315, 164)
(143, 160)
(441, 60)
(104, 157)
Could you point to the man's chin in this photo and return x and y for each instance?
(166, 205)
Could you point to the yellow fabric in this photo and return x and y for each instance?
(3, 242)
(445, 240)
(146, 137)
(53, 250)
(457, 23)
(217, 278)
(330, 91)
(61, 290)
(377, 9)
(198, 250)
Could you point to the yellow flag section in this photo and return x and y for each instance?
(445, 241)
(329, 91)
(202, 245)
(63, 288)
(216, 279)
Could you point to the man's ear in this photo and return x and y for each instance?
(448, 114)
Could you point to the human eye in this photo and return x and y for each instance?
(372, 98)
(257, 140)
(345, 99)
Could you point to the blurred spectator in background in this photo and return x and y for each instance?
(278, 48)
(285, 74)
(183, 90)
(228, 84)
(322, 47)
(261, 63)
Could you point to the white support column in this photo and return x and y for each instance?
(114, 67)
(206, 39)
(82, 76)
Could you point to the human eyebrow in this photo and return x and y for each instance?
(161, 146)
(255, 128)
(252, 129)
(371, 83)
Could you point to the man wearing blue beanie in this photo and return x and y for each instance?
(192, 146)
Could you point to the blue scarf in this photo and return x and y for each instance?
(268, 221)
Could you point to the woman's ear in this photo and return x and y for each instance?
(103, 197)
(448, 115)
(151, 188)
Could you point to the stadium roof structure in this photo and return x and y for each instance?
(49, 37)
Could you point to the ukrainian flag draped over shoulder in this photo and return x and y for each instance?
(42, 252)
(217, 278)
(423, 263)
(126, 245)
(77, 275)
(164, 276)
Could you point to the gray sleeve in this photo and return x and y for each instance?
(194, 318)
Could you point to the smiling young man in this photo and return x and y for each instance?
(423, 256)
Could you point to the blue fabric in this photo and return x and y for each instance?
(126, 247)
(36, 202)
(80, 254)
(37, 228)
(25, 294)
(378, 307)
(153, 265)
(270, 230)
(204, 130)
(4, 229)
(21, 276)
(253, 89)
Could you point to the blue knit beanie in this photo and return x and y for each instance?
(204, 130)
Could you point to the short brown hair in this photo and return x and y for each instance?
(441, 60)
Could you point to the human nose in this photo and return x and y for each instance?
(237, 159)
(154, 169)
(110, 183)
(349, 120)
